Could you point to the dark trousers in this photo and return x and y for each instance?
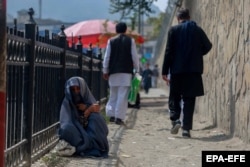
(188, 110)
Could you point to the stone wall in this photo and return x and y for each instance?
(227, 66)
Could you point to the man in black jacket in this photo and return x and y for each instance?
(182, 69)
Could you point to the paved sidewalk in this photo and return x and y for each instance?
(155, 93)
(145, 140)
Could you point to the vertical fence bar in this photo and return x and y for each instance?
(79, 49)
(90, 54)
(2, 78)
(62, 44)
(30, 29)
(15, 26)
(100, 75)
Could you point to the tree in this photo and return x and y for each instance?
(132, 9)
(157, 23)
(127, 7)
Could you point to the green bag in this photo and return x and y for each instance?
(134, 88)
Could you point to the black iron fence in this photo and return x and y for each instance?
(37, 68)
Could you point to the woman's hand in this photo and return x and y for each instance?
(82, 107)
(92, 108)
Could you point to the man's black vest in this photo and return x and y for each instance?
(120, 55)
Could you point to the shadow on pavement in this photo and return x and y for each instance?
(131, 119)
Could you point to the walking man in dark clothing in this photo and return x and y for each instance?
(147, 78)
(155, 76)
(186, 45)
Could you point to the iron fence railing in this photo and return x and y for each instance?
(37, 68)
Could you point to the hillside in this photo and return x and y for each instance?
(67, 11)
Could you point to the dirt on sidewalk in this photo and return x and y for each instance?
(147, 142)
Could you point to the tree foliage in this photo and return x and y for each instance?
(157, 23)
(128, 7)
(132, 9)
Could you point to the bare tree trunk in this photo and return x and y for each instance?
(2, 78)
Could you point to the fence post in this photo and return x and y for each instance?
(79, 49)
(100, 74)
(30, 33)
(15, 26)
(2, 78)
(62, 44)
(90, 54)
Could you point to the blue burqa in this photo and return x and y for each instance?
(91, 140)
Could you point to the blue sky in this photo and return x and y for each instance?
(161, 4)
(70, 11)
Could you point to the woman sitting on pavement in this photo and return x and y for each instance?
(83, 130)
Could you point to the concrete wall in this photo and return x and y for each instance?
(227, 67)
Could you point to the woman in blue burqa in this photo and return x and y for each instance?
(81, 124)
